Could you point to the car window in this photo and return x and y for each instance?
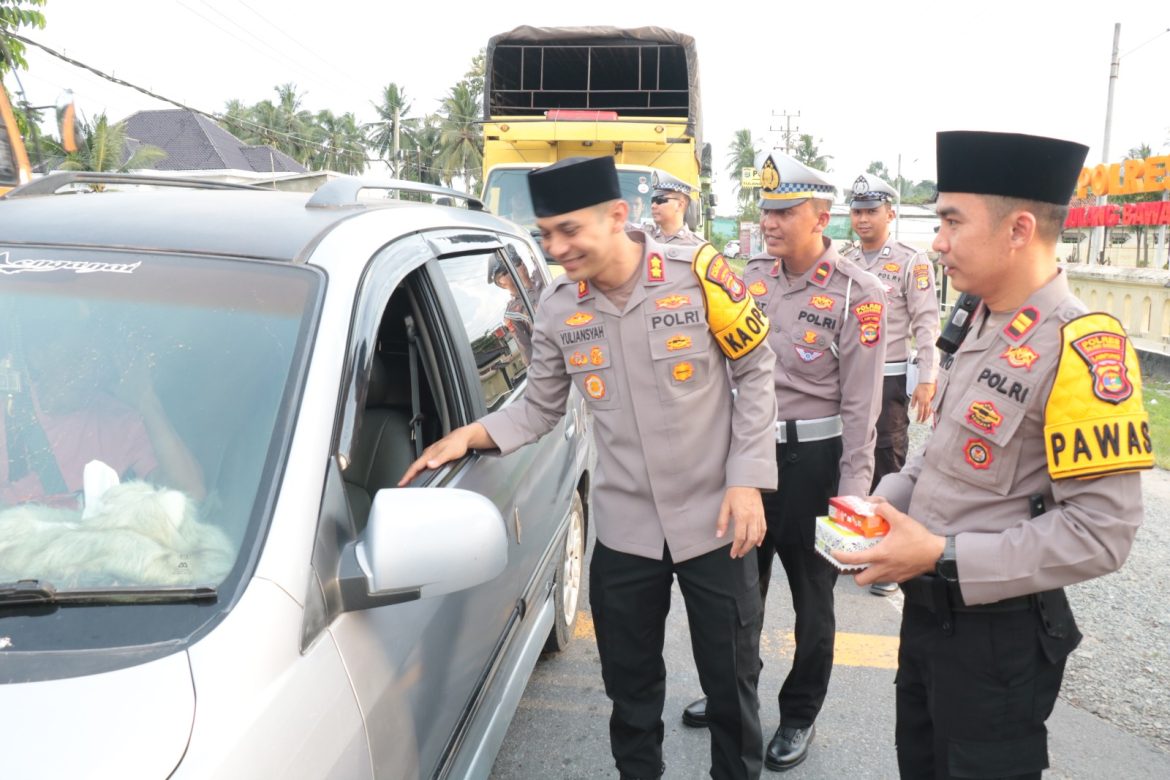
(492, 300)
(141, 399)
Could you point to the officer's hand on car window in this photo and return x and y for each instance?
(746, 507)
(451, 447)
(908, 550)
(920, 399)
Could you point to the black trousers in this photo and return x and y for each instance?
(630, 599)
(808, 479)
(893, 429)
(974, 690)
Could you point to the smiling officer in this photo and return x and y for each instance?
(653, 337)
(1027, 482)
(828, 333)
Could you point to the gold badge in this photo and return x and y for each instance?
(578, 359)
(655, 271)
(596, 357)
(821, 302)
(683, 371)
(810, 337)
(579, 318)
(1020, 357)
(675, 343)
(672, 302)
(892, 267)
(595, 386)
(758, 288)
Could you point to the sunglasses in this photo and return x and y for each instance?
(658, 200)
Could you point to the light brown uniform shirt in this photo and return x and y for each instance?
(912, 306)
(986, 457)
(684, 236)
(829, 336)
(670, 437)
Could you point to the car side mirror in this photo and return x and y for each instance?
(423, 542)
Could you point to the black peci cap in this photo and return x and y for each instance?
(573, 183)
(1029, 167)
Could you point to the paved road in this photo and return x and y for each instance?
(560, 728)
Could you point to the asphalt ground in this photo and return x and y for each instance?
(1112, 720)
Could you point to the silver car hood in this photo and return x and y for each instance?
(133, 722)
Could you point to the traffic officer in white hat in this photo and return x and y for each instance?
(654, 337)
(912, 311)
(668, 207)
(829, 335)
(1028, 482)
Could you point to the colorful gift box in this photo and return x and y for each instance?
(858, 515)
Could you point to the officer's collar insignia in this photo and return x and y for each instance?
(582, 289)
(860, 186)
(977, 453)
(984, 416)
(821, 302)
(1104, 354)
(808, 355)
(579, 318)
(672, 302)
(885, 252)
(758, 288)
(820, 276)
(1020, 357)
(655, 268)
(1023, 322)
(775, 269)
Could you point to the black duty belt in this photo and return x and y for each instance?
(937, 595)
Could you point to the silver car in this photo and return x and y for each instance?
(206, 568)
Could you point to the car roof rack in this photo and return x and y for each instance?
(50, 184)
(344, 192)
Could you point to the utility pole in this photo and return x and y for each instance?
(1097, 237)
(786, 132)
(395, 151)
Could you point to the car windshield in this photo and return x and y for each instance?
(142, 397)
(506, 195)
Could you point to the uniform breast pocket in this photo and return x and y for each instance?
(593, 374)
(683, 361)
(808, 353)
(984, 446)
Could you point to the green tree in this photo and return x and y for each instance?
(878, 168)
(15, 14)
(104, 147)
(424, 145)
(741, 153)
(461, 139)
(380, 134)
(475, 73)
(342, 146)
(809, 153)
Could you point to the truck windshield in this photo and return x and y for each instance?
(506, 195)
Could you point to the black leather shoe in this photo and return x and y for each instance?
(695, 714)
(789, 747)
(661, 772)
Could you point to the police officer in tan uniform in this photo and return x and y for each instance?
(829, 336)
(668, 207)
(653, 336)
(912, 310)
(1027, 482)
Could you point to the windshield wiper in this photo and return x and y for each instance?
(25, 592)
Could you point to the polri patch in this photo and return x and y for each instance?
(921, 277)
(720, 273)
(869, 318)
(1104, 354)
(977, 453)
(1020, 357)
(1023, 322)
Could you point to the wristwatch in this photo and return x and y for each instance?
(947, 565)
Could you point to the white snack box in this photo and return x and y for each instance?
(830, 536)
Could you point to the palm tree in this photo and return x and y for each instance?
(461, 139)
(342, 144)
(426, 141)
(103, 147)
(742, 154)
(380, 134)
(808, 153)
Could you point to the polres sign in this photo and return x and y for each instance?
(1155, 212)
(1125, 178)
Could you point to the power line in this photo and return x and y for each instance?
(312, 52)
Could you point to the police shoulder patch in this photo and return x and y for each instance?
(733, 317)
(1094, 421)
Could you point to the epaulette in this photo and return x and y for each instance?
(1094, 421)
(738, 324)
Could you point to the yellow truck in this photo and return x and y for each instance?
(557, 92)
